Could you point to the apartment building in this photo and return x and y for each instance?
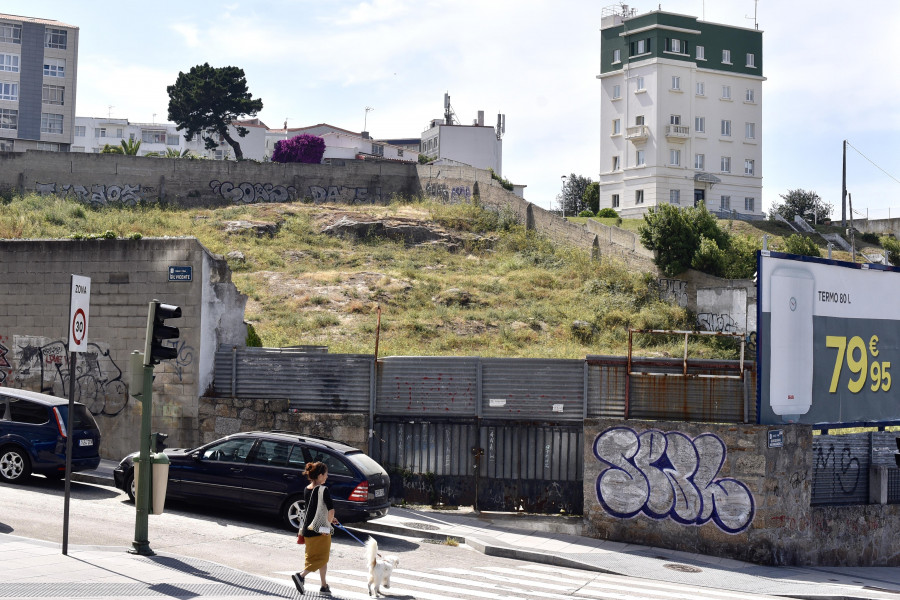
(447, 141)
(681, 113)
(38, 73)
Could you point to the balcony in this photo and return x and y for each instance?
(677, 132)
(637, 133)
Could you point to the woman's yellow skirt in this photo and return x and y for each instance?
(318, 549)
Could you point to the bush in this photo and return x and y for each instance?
(892, 247)
(253, 340)
(304, 148)
(504, 183)
(870, 238)
(586, 213)
(709, 258)
(607, 213)
(802, 245)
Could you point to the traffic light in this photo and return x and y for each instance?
(897, 454)
(158, 332)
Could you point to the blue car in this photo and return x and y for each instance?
(33, 429)
(263, 472)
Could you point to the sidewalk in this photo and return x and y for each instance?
(30, 568)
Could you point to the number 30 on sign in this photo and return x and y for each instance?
(857, 359)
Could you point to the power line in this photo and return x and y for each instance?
(873, 162)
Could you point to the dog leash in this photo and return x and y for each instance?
(339, 526)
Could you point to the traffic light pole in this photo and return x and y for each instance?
(142, 498)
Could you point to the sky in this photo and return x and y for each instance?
(830, 71)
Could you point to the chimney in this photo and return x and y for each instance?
(481, 118)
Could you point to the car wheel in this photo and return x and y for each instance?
(129, 485)
(14, 464)
(290, 512)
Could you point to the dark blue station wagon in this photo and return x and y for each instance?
(33, 430)
(263, 472)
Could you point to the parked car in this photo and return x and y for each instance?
(33, 429)
(263, 472)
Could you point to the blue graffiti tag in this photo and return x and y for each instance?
(669, 475)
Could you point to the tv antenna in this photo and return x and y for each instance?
(755, 6)
(109, 108)
(366, 118)
(449, 115)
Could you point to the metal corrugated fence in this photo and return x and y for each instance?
(318, 382)
(841, 469)
(525, 388)
(427, 385)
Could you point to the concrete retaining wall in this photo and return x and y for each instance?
(125, 276)
(720, 489)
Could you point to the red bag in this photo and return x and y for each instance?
(301, 539)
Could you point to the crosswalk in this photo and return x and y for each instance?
(527, 582)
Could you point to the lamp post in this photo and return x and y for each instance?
(366, 118)
(562, 200)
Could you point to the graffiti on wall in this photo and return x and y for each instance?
(841, 464)
(42, 364)
(723, 323)
(457, 193)
(673, 290)
(251, 193)
(668, 475)
(345, 195)
(184, 358)
(5, 367)
(98, 194)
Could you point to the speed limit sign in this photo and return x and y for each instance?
(78, 313)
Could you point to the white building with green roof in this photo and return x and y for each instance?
(681, 113)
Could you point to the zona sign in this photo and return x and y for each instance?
(78, 313)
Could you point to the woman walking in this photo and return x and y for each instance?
(316, 527)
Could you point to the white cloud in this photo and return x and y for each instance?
(189, 33)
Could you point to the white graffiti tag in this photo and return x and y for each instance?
(670, 475)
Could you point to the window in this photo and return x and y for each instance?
(639, 196)
(5, 146)
(10, 33)
(726, 57)
(51, 123)
(616, 127)
(726, 164)
(617, 55)
(24, 411)
(174, 140)
(640, 46)
(750, 96)
(617, 91)
(701, 88)
(640, 83)
(77, 149)
(750, 204)
(153, 137)
(673, 45)
(726, 127)
(271, 452)
(674, 119)
(616, 163)
(80, 131)
(699, 162)
(674, 196)
(53, 94)
(9, 119)
(100, 132)
(233, 450)
(55, 38)
(9, 62)
(639, 158)
(54, 67)
(675, 158)
(639, 120)
(676, 82)
(615, 201)
(725, 203)
(9, 91)
(749, 167)
(119, 133)
(49, 146)
(750, 131)
(751, 59)
(701, 53)
(726, 92)
(335, 465)
(700, 124)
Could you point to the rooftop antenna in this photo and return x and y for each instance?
(109, 108)
(755, 6)
(448, 110)
(501, 125)
(366, 118)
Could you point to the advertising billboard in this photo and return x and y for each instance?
(828, 340)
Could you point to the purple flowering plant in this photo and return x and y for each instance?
(304, 148)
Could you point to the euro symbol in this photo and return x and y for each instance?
(873, 345)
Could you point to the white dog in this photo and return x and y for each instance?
(380, 567)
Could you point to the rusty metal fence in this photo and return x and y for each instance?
(502, 434)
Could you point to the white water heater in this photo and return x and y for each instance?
(792, 293)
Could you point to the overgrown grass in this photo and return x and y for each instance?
(515, 297)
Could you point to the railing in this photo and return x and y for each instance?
(637, 132)
(678, 131)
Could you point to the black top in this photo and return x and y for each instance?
(311, 497)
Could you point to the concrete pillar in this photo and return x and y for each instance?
(878, 484)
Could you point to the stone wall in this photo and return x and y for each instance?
(720, 490)
(125, 276)
(219, 417)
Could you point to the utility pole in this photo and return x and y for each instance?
(844, 189)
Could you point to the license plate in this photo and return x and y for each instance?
(86, 442)
(379, 493)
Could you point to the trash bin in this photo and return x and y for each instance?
(159, 481)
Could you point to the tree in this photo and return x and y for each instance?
(131, 147)
(805, 203)
(304, 148)
(205, 101)
(571, 198)
(802, 245)
(892, 248)
(591, 197)
(667, 232)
